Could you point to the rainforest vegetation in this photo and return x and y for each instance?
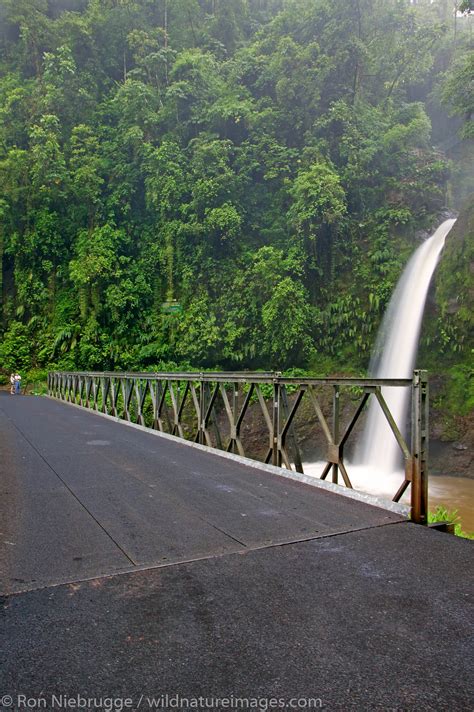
(226, 183)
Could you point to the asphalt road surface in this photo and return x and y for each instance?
(135, 567)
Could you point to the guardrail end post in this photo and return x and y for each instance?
(419, 444)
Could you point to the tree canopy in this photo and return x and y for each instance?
(266, 163)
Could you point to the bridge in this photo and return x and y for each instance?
(137, 563)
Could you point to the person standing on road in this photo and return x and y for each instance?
(12, 384)
(17, 384)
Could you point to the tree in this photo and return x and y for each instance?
(458, 93)
(318, 205)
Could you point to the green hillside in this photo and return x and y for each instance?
(266, 164)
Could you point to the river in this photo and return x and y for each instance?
(454, 493)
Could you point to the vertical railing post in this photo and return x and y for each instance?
(234, 409)
(335, 427)
(276, 454)
(102, 390)
(202, 411)
(419, 444)
(114, 390)
(94, 393)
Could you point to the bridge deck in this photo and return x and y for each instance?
(358, 608)
(88, 496)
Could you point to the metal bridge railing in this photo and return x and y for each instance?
(210, 408)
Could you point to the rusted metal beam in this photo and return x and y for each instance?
(248, 377)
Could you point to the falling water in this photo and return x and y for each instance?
(395, 353)
(377, 467)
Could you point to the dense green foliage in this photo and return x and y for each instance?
(448, 343)
(441, 514)
(458, 91)
(264, 162)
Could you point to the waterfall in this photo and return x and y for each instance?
(395, 353)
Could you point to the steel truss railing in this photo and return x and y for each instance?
(188, 405)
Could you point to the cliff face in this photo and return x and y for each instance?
(447, 350)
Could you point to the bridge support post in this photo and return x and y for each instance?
(419, 443)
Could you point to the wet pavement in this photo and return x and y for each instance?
(135, 567)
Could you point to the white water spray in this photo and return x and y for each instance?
(395, 353)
